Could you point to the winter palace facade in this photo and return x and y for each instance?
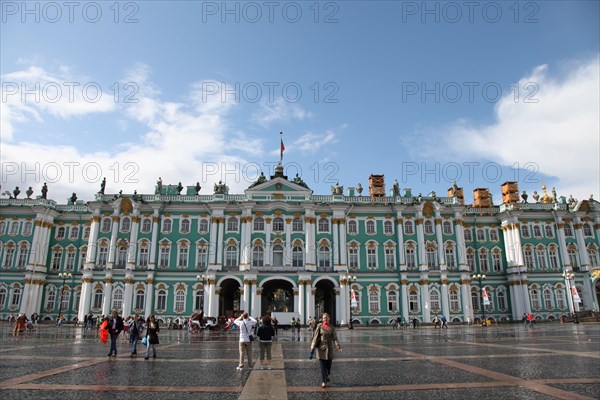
(279, 247)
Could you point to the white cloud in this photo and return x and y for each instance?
(560, 133)
(310, 142)
(185, 142)
(33, 92)
(279, 110)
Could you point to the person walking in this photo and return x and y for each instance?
(152, 329)
(245, 323)
(115, 326)
(265, 335)
(135, 331)
(324, 339)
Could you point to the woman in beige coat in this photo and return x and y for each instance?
(324, 339)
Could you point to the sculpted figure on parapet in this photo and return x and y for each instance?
(45, 191)
(159, 186)
(219, 188)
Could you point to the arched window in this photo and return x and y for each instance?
(471, 259)
(23, 252)
(560, 298)
(528, 256)
(494, 235)
(572, 252)
(352, 228)
(26, 228)
(146, 225)
(161, 300)
(568, 230)
(125, 224)
(2, 297)
(231, 256)
(371, 257)
(524, 231)
(587, 230)
(60, 233)
(353, 257)
(140, 299)
(203, 225)
(413, 301)
(259, 224)
(324, 257)
(549, 231)
(278, 224)
(501, 300)
(121, 256)
(50, 298)
(86, 232)
(106, 225)
(185, 225)
(167, 225)
(74, 233)
(593, 255)
(468, 235)
(56, 258)
(548, 305)
(373, 300)
(450, 257)
(409, 227)
(258, 256)
(432, 263)
(434, 300)
(144, 254)
(409, 253)
(179, 300)
(447, 228)
(16, 297)
(202, 255)
(428, 227)
(537, 231)
(183, 255)
(165, 254)
(117, 300)
(497, 260)
(98, 295)
(392, 301)
(232, 224)
(277, 255)
(454, 299)
(297, 256)
(390, 258)
(388, 228)
(370, 227)
(540, 253)
(480, 235)
(534, 294)
(553, 255)
(475, 300)
(297, 225)
(323, 225)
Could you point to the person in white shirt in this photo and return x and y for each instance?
(246, 326)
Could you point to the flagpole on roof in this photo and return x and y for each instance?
(282, 148)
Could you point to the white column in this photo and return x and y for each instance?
(440, 241)
(85, 299)
(301, 301)
(210, 292)
(220, 244)
(404, 296)
(309, 222)
(465, 294)
(113, 242)
(90, 258)
(268, 229)
(311, 300)
(444, 294)
(583, 255)
(400, 247)
(132, 252)
(336, 243)
(256, 303)
(212, 250)
(425, 305)
(245, 236)
(106, 301)
(287, 259)
(128, 293)
(149, 294)
(343, 244)
(422, 255)
(461, 251)
(247, 295)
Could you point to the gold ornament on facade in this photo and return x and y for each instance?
(115, 218)
(443, 281)
(596, 273)
(150, 281)
(126, 206)
(268, 220)
(465, 281)
(129, 281)
(419, 221)
(108, 280)
(211, 281)
(135, 219)
(278, 196)
(424, 281)
(428, 209)
(437, 221)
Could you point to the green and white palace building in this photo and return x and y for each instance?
(279, 247)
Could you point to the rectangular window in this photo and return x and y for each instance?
(202, 258)
(144, 256)
(353, 258)
(390, 259)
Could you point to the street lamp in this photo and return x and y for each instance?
(64, 276)
(480, 278)
(349, 280)
(570, 276)
(202, 279)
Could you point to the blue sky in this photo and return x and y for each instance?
(423, 92)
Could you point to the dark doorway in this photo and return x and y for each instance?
(597, 290)
(278, 296)
(325, 300)
(229, 300)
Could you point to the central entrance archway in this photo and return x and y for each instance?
(325, 300)
(278, 296)
(229, 300)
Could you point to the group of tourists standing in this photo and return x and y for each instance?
(113, 326)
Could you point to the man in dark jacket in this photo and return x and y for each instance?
(115, 326)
